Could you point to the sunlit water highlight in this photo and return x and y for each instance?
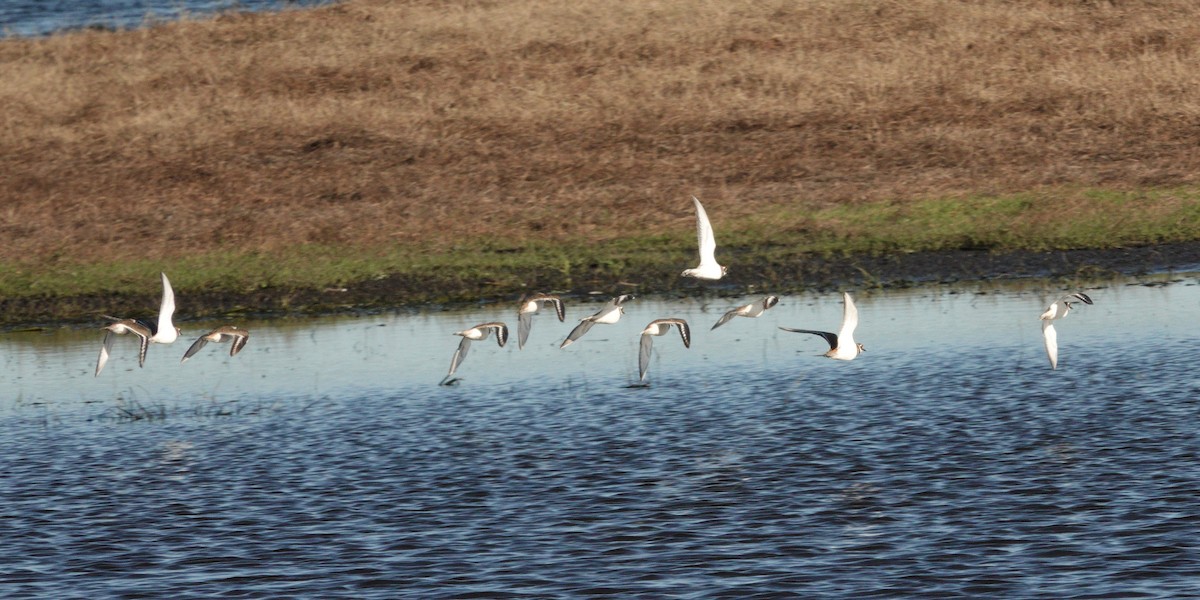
(323, 460)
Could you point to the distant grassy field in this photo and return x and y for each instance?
(466, 142)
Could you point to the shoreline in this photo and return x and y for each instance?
(369, 156)
(751, 276)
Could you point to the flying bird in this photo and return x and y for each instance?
(226, 333)
(659, 327)
(708, 268)
(609, 314)
(841, 344)
(162, 331)
(531, 305)
(476, 333)
(752, 310)
(1057, 310)
(137, 327)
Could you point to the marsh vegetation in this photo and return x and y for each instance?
(444, 142)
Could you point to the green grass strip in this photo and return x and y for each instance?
(1042, 221)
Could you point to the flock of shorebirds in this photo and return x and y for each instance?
(164, 331)
(841, 344)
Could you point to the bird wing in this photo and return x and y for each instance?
(501, 333)
(726, 318)
(558, 308)
(1082, 297)
(685, 332)
(524, 322)
(849, 319)
(195, 347)
(459, 355)
(577, 333)
(105, 351)
(829, 337)
(145, 344)
(1051, 337)
(644, 355)
(704, 235)
(168, 306)
(239, 342)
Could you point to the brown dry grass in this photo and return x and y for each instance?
(381, 122)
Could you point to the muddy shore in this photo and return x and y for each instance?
(746, 277)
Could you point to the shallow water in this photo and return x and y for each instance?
(949, 460)
(40, 17)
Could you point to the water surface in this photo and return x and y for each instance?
(324, 461)
(40, 17)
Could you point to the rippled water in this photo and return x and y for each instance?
(39, 17)
(324, 460)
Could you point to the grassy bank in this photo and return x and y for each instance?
(463, 147)
(485, 269)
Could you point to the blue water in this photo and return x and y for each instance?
(40, 17)
(947, 461)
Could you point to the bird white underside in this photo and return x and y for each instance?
(608, 316)
(1051, 337)
(475, 333)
